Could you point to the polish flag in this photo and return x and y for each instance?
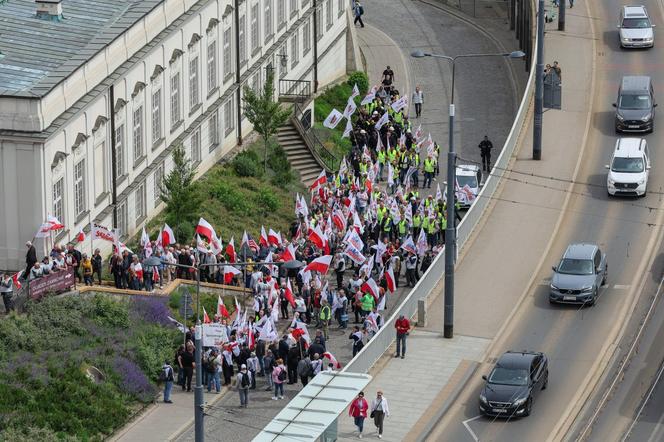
(288, 294)
(381, 304)
(339, 220)
(221, 308)
(252, 338)
(300, 330)
(357, 223)
(205, 229)
(264, 238)
(145, 238)
(200, 244)
(167, 236)
(320, 265)
(15, 280)
(317, 237)
(391, 283)
(206, 318)
(230, 250)
(229, 273)
(289, 253)
(215, 246)
(274, 238)
(54, 223)
(322, 179)
(332, 359)
(81, 236)
(371, 287)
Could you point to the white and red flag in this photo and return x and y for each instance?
(339, 220)
(145, 238)
(333, 119)
(369, 97)
(322, 179)
(229, 274)
(263, 240)
(348, 129)
(201, 246)
(221, 308)
(349, 110)
(205, 229)
(320, 265)
(391, 282)
(230, 251)
(216, 246)
(317, 237)
(422, 246)
(371, 287)
(167, 236)
(409, 246)
(274, 238)
(356, 92)
(382, 121)
(80, 237)
(332, 359)
(15, 280)
(288, 293)
(289, 253)
(98, 231)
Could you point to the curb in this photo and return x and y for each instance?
(190, 422)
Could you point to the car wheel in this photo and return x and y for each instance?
(594, 299)
(546, 380)
(606, 275)
(529, 407)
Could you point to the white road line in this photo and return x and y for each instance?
(472, 433)
(643, 405)
(621, 287)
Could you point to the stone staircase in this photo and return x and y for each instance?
(299, 155)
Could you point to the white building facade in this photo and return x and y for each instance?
(174, 69)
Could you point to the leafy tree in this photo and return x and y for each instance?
(178, 191)
(263, 112)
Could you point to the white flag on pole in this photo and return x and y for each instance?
(333, 119)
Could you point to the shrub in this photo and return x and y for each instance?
(230, 197)
(361, 79)
(282, 179)
(266, 201)
(13, 434)
(133, 381)
(151, 309)
(278, 160)
(247, 164)
(152, 346)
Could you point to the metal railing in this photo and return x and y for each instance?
(325, 157)
(294, 90)
(375, 348)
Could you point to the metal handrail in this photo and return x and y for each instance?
(322, 154)
(298, 89)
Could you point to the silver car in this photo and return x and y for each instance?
(635, 28)
(579, 275)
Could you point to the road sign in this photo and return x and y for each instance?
(186, 309)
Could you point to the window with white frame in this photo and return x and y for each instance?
(341, 5)
(100, 171)
(139, 199)
(229, 122)
(306, 37)
(328, 13)
(193, 83)
(175, 100)
(120, 169)
(211, 66)
(256, 82)
(123, 219)
(293, 7)
(295, 53)
(79, 188)
(138, 133)
(213, 131)
(158, 178)
(228, 66)
(156, 116)
(255, 30)
(58, 202)
(268, 19)
(242, 35)
(319, 22)
(196, 146)
(281, 13)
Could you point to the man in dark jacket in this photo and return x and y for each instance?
(30, 259)
(97, 265)
(485, 151)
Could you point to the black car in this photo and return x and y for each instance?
(513, 384)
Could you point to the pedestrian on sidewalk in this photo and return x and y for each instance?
(418, 100)
(252, 365)
(279, 376)
(243, 381)
(304, 370)
(213, 367)
(168, 377)
(379, 411)
(402, 326)
(358, 411)
(269, 364)
(357, 336)
(187, 364)
(325, 317)
(359, 12)
(485, 151)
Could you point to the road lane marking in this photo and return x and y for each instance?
(621, 286)
(470, 430)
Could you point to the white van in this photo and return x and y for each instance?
(629, 168)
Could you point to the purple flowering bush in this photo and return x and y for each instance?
(150, 309)
(132, 380)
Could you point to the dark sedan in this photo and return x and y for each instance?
(516, 379)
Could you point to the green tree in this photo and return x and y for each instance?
(263, 112)
(178, 191)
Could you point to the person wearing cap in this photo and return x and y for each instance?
(379, 411)
(402, 326)
(243, 381)
(358, 411)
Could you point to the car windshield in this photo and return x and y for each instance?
(627, 165)
(636, 23)
(570, 266)
(634, 102)
(471, 181)
(509, 376)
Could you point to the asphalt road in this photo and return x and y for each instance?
(626, 230)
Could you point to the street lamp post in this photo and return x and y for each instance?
(450, 231)
(539, 82)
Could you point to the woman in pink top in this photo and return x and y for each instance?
(279, 376)
(358, 411)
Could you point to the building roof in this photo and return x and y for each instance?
(39, 54)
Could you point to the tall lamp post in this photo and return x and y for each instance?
(450, 231)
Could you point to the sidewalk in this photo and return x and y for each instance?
(499, 259)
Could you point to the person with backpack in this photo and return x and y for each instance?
(243, 381)
(213, 367)
(269, 363)
(167, 376)
(304, 370)
(279, 376)
(359, 12)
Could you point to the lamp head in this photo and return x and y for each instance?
(517, 54)
(418, 54)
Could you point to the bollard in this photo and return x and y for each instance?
(421, 313)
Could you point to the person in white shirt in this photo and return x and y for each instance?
(379, 411)
(418, 99)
